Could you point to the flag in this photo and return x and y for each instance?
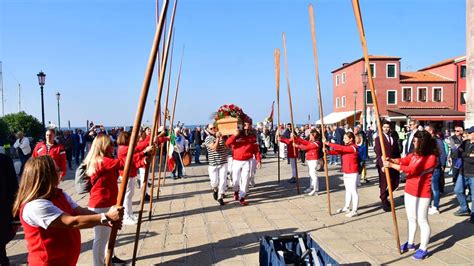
(270, 118)
(171, 162)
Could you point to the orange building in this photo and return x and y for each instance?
(434, 93)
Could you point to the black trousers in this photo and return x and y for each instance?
(394, 180)
(179, 166)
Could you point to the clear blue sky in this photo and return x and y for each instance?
(95, 52)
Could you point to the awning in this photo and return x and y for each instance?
(427, 114)
(336, 117)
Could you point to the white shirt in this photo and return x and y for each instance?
(42, 212)
(24, 145)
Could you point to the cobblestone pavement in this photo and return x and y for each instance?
(189, 227)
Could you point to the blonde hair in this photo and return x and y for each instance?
(358, 140)
(39, 180)
(98, 151)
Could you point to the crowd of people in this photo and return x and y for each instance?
(419, 157)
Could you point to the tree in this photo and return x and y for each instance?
(4, 132)
(24, 122)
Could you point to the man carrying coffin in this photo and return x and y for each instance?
(243, 144)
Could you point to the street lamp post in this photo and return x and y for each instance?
(41, 78)
(58, 97)
(364, 82)
(355, 106)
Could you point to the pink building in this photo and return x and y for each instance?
(430, 94)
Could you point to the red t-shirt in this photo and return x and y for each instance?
(243, 147)
(53, 246)
(419, 170)
(311, 148)
(349, 153)
(104, 192)
(292, 152)
(56, 151)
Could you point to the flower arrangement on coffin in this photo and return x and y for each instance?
(230, 117)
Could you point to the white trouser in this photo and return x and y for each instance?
(282, 147)
(127, 202)
(293, 167)
(350, 183)
(417, 211)
(141, 172)
(312, 164)
(218, 176)
(101, 237)
(253, 169)
(229, 164)
(240, 176)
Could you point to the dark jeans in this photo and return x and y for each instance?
(197, 153)
(461, 183)
(69, 157)
(302, 156)
(23, 159)
(435, 186)
(179, 166)
(456, 172)
(79, 152)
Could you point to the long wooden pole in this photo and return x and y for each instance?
(158, 122)
(175, 98)
(153, 131)
(358, 17)
(164, 122)
(277, 77)
(320, 104)
(291, 110)
(164, 126)
(136, 126)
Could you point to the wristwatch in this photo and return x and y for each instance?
(103, 219)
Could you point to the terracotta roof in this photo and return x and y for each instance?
(425, 112)
(371, 57)
(442, 63)
(421, 76)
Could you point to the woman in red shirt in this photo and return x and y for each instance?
(292, 154)
(350, 168)
(418, 166)
(103, 170)
(51, 219)
(312, 156)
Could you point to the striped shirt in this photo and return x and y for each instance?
(218, 156)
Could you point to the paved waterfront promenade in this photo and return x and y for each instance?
(189, 228)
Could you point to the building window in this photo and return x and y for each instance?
(343, 78)
(406, 94)
(463, 71)
(337, 80)
(368, 97)
(391, 97)
(437, 94)
(373, 69)
(337, 102)
(391, 70)
(463, 98)
(422, 94)
(343, 101)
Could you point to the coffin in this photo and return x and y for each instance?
(228, 125)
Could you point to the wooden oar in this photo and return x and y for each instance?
(174, 102)
(360, 25)
(320, 104)
(164, 126)
(291, 112)
(153, 131)
(277, 78)
(136, 126)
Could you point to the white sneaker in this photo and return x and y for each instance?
(345, 209)
(313, 192)
(308, 190)
(433, 210)
(128, 221)
(351, 214)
